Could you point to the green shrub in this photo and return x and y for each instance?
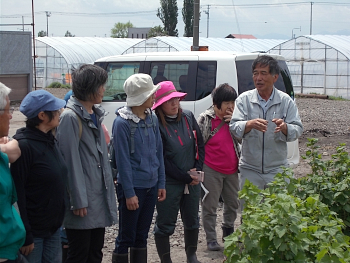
(66, 86)
(55, 85)
(280, 227)
(330, 179)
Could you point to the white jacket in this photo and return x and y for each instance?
(265, 152)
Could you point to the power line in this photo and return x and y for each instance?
(82, 14)
(276, 4)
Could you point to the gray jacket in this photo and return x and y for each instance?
(265, 152)
(89, 179)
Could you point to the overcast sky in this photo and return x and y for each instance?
(263, 19)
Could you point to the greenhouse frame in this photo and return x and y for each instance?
(57, 56)
(318, 64)
(173, 44)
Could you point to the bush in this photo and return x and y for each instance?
(280, 227)
(329, 179)
(56, 85)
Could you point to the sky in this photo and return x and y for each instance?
(263, 19)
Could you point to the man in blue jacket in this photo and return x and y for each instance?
(265, 118)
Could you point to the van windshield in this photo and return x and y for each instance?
(245, 77)
(117, 74)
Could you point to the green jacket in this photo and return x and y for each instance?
(12, 232)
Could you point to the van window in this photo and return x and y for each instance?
(117, 74)
(172, 71)
(206, 78)
(245, 77)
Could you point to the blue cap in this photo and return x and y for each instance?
(40, 100)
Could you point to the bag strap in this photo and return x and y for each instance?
(133, 127)
(79, 123)
(213, 132)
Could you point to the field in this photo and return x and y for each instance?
(327, 120)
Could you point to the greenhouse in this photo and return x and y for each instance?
(318, 63)
(56, 56)
(173, 44)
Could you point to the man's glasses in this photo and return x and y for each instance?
(10, 110)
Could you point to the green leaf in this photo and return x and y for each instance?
(321, 254)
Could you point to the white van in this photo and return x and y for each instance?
(195, 72)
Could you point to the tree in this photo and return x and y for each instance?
(42, 33)
(69, 34)
(187, 16)
(168, 15)
(120, 30)
(157, 31)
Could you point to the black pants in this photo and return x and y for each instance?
(85, 245)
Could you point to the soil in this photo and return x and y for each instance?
(326, 120)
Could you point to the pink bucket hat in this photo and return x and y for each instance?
(166, 92)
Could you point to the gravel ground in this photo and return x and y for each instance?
(327, 120)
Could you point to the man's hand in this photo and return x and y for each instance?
(11, 148)
(80, 212)
(161, 195)
(257, 124)
(26, 250)
(281, 126)
(228, 115)
(132, 203)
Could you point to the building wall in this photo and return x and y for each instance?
(138, 32)
(16, 62)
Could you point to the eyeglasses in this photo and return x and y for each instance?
(171, 101)
(10, 110)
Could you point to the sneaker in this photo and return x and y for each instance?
(213, 246)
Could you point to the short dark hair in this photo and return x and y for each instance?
(86, 80)
(224, 92)
(265, 60)
(33, 122)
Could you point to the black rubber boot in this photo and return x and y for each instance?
(191, 241)
(226, 231)
(138, 255)
(64, 251)
(120, 258)
(163, 248)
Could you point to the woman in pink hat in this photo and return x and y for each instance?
(183, 149)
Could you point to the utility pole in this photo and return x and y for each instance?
(48, 14)
(311, 18)
(195, 46)
(34, 55)
(23, 23)
(207, 13)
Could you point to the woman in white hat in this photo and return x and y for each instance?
(183, 152)
(139, 158)
(39, 177)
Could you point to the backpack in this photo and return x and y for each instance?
(111, 151)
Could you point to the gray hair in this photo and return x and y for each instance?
(4, 92)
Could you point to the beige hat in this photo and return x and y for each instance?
(138, 88)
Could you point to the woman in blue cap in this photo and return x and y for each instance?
(38, 175)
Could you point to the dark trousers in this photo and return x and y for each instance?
(85, 245)
(134, 224)
(176, 200)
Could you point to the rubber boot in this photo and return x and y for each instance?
(64, 251)
(226, 231)
(120, 258)
(191, 241)
(138, 255)
(163, 248)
